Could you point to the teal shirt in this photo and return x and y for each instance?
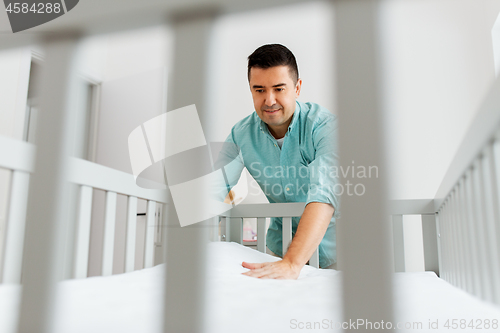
(303, 170)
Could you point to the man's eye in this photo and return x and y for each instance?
(259, 90)
(279, 89)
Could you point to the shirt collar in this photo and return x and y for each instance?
(295, 117)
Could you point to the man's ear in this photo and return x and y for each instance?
(298, 86)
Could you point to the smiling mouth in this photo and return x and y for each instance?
(271, 111)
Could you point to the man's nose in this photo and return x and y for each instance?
(270, 99)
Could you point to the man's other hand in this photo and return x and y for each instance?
(272, 270)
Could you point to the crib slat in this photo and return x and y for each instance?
(464, 238)
(236, 230)
(314, 261)
(472, 232)
(495, 152)
(48, 199)
(445, 240)
(480, 233)
(261, 234)
(466, 252)
(454, 241)
(225, 228)
(491, 215)
(150, 235)
(16, 221)
(449, 241)
(367, 279)
(489, 266)
(442, 240)
(429, 235)
(438, 231)
(214, 227)
(459, 235)
(287, 233)
(398, 243)
(83, 233)
(109, 234)
(185, 285)
(457, 257)
(131, 233)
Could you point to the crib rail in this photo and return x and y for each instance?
(232, 227)
(90, 175)
(232, 223)
(465, 210)
(469, 225)
(424, 208)
(468, 207)
(459, 239)
(18, 157)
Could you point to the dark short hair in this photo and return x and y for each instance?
(272, 55)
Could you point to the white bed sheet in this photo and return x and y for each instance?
(131, 303)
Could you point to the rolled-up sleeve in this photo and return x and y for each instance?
(323, 170)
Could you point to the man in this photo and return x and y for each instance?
(290, 149)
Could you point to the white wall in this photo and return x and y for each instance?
(495, 37)
(14, 75)
(438, 65)
(306, 29)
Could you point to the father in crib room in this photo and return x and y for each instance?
(290, 149)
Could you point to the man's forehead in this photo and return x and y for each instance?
(272, 76)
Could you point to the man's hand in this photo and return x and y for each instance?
(311, 229)
(273, 270)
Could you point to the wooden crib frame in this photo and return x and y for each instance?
(367, 283)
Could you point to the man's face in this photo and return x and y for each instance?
(274, 94)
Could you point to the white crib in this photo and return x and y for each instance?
(461, 224)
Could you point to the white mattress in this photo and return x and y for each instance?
(237, 303)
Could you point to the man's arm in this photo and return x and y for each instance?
(310, 231)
